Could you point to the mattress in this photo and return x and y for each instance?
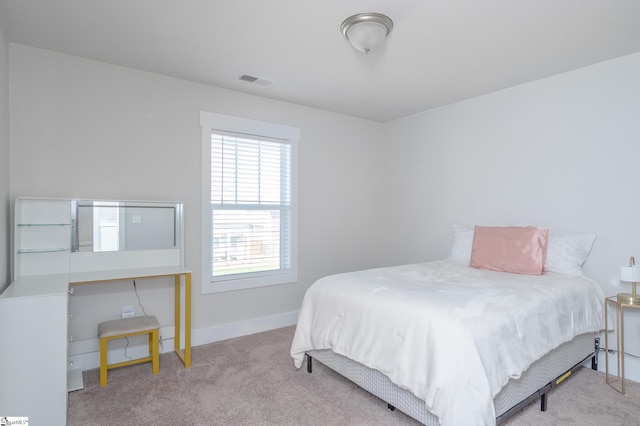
(541, 373)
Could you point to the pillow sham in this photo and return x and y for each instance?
(515, 249)
(567, 252)
(461, 245)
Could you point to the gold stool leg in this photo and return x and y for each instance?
(103, 362)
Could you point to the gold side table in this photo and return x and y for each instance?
(616, 381)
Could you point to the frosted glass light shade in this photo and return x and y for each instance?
(366, 36)
(366, 31)
(630, 274)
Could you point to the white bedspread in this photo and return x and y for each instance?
(451, 334)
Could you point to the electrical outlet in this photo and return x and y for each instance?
(128, 312)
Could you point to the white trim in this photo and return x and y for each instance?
(85, 354)
(212, 121)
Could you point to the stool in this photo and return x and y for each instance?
(129, 327)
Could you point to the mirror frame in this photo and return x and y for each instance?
(123, 204)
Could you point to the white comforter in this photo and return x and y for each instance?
(451, 334)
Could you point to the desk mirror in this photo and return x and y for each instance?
(100, 226)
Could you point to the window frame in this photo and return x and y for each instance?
(213, 122)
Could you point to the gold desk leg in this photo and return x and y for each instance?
(185, 355)
(621, 352)
(187, 320)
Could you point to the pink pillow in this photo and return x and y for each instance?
(515, 249)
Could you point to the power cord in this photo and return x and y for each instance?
(125, 349)
(614, 351)
(135, 289)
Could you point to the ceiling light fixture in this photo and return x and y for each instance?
(366, 31)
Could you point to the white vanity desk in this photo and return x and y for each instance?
(34, 309)
(140, 273)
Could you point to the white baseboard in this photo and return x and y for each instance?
(85, 354)
(243, 328)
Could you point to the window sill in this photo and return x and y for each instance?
(247, 283)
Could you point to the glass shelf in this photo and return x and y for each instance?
(43, 224)
(50, 250)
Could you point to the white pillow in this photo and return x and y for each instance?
(462, 244)
(567, 252)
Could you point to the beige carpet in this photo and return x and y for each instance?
(251, 381)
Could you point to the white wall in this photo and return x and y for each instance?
(561, 153)
(4, 153)
(91, 130)
(558, 152)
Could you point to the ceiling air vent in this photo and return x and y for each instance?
(256, 80)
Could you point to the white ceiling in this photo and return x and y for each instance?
(439, 52)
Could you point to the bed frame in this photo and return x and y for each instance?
(542, 376)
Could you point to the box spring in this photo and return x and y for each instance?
(539, 375)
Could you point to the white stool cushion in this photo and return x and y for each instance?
(127, 325)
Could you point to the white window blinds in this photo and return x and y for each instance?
(250, 205)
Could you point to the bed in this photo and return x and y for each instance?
(449, 343)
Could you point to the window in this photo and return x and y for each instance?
(249, 203)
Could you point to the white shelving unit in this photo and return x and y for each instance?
(42, 237)
(34, 314)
